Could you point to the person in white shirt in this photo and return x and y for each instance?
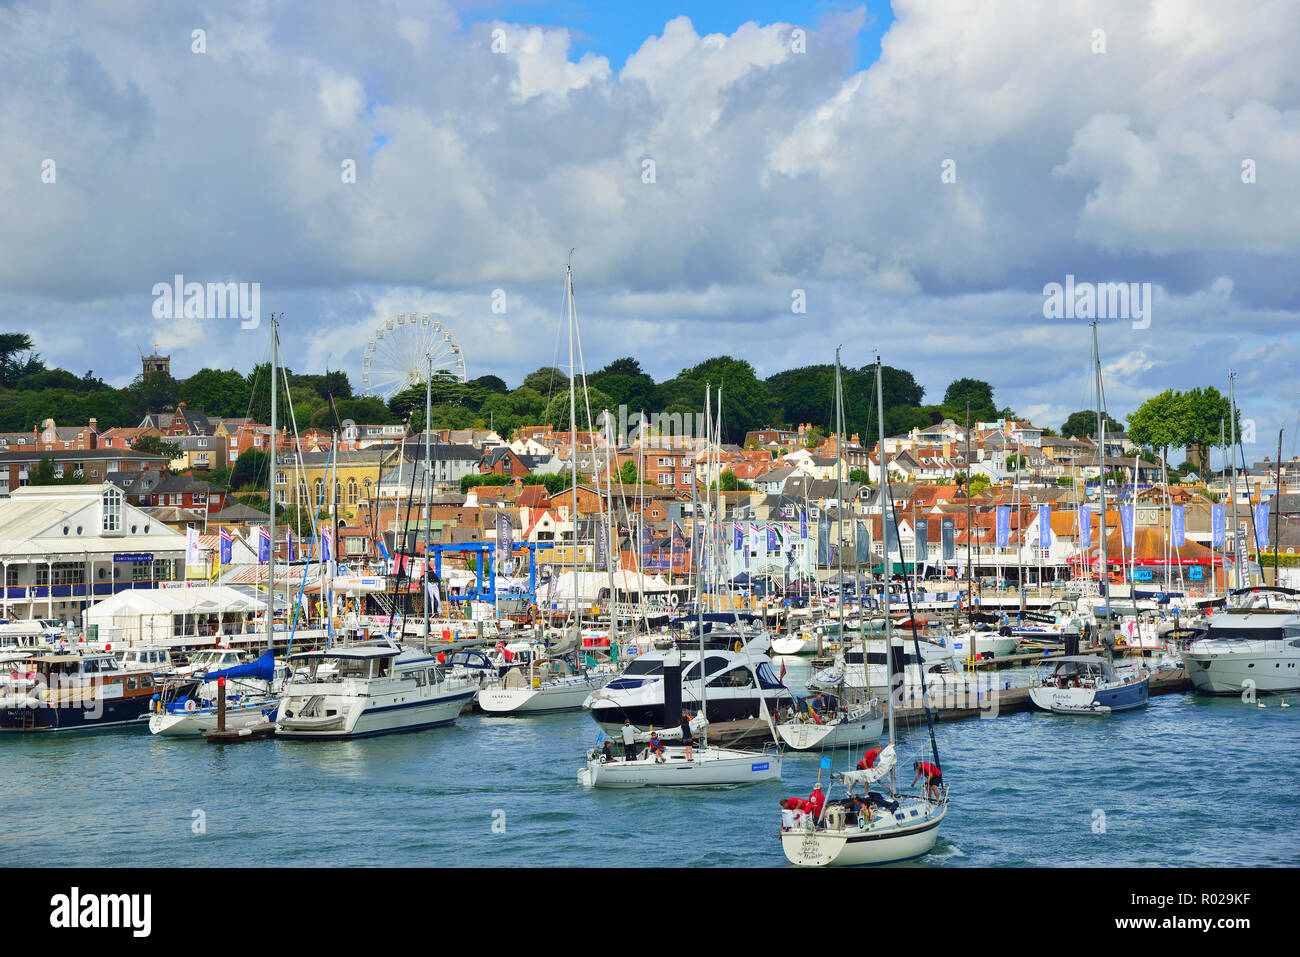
(629, 739)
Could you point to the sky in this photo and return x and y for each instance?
(767, 180)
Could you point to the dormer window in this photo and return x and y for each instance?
(111, 510)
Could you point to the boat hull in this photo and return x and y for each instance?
(850, 845)
(842, 734)
(115, 712)
(194, 724)
(1091, 700)
(366, 722)
(1221, 675)
(543, 700)
(712, 768)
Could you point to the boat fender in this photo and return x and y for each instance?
(739, 647)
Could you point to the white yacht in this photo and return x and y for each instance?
(1254, 645)
(361, 690)
(1086, 684)
(188, 706)
(707, 766)
(942, 667)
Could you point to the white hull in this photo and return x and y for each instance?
(711, 767)
(794, 645)
(886, 839)
(987, 644)
(1234, 674)
(192, 724)
(553, 696)
(800, 736)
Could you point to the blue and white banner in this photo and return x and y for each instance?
(192, 547)
(922, 539)
(771, 539)
(1178, 525)
(227, 546)
(1218, 525)
(290, 551)
(753, 537)
(263, 544)
(602, 545)
(738, 537)
(1261, 525)
(1003, 525)
(1126, 519)
(1085, 527)
(948, 530)
(1044, 526)
(326, 543)
(803, 523)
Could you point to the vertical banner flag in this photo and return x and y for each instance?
(753, 537)
(503, 537)
(227, 546)
(1261, 525)
(1044, 526)
(646, 544)
(263, 544)
(861, 543)
(891, 532)
(948, 530)
(823, 542)
(192, 546)
(1003, 518)
(1126, 519)
(326, 544)
(1217, 522)
(288, 538)
(602, 546)
(803, 523)
(677, 544)
(383, 549)
(1178, 524)
(737, 537)
(771, 539)
(923, 541)
(1085, 527)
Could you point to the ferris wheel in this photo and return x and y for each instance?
(397, 354)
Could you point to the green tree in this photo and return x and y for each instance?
(1083, 425)
(557, 410)
(975, 391)
(18, 357)
(624, 381)
(627, 473)
(744, 397)
(45, 474)
(251, 470)
(153, 445)
(220, 392)
(546, 380)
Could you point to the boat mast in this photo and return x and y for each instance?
(970, 571)
(428, 512)
(1103, 577)
(839, 491)
(1232, 454)
(573, 449)
(887, 566)
(270, 555)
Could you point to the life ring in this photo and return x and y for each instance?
(739, 647)
(189, 704)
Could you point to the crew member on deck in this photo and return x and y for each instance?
(687, 739)
(656, 747)
(818, 800)
(869, 759)
(629, 740)
(933, 778)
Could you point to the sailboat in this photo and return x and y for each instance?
(684, 765)
(902, 826)
(858, 719)
(557, 686)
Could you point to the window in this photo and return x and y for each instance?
(736, 678)
(111, 509)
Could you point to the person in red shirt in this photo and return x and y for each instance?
(933, 778)
(869, 759)
(817, 800)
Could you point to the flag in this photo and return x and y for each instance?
(192, 546)
(1178, 523)
(803, 523)
(602, 546)
(227, 546)
(921, 539)
(504, 538)
(1085, 527)
(948, 533)
(1217, 520)
(1261, 525)
(1044, 526)
(1126, 519)
(435, 596)
(771, 539)
(783, 669)
(288, 536)
(862, 543)
(263, 544)
(891, 531)
(825, 764)
(1003, 525)
(383, 549)
(823, 541)
(753, 536)
(326, 543)
(738, 537)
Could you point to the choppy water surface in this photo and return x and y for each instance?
(1187, 781)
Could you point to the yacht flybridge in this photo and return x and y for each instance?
(356, 691)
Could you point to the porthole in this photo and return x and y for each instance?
(133, 529)
(78, 529)
(65, 529)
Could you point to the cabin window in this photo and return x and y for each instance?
(418, 676)
(736, 678)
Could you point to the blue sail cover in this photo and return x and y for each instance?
(263, 667)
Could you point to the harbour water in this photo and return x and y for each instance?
(1188, 780)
